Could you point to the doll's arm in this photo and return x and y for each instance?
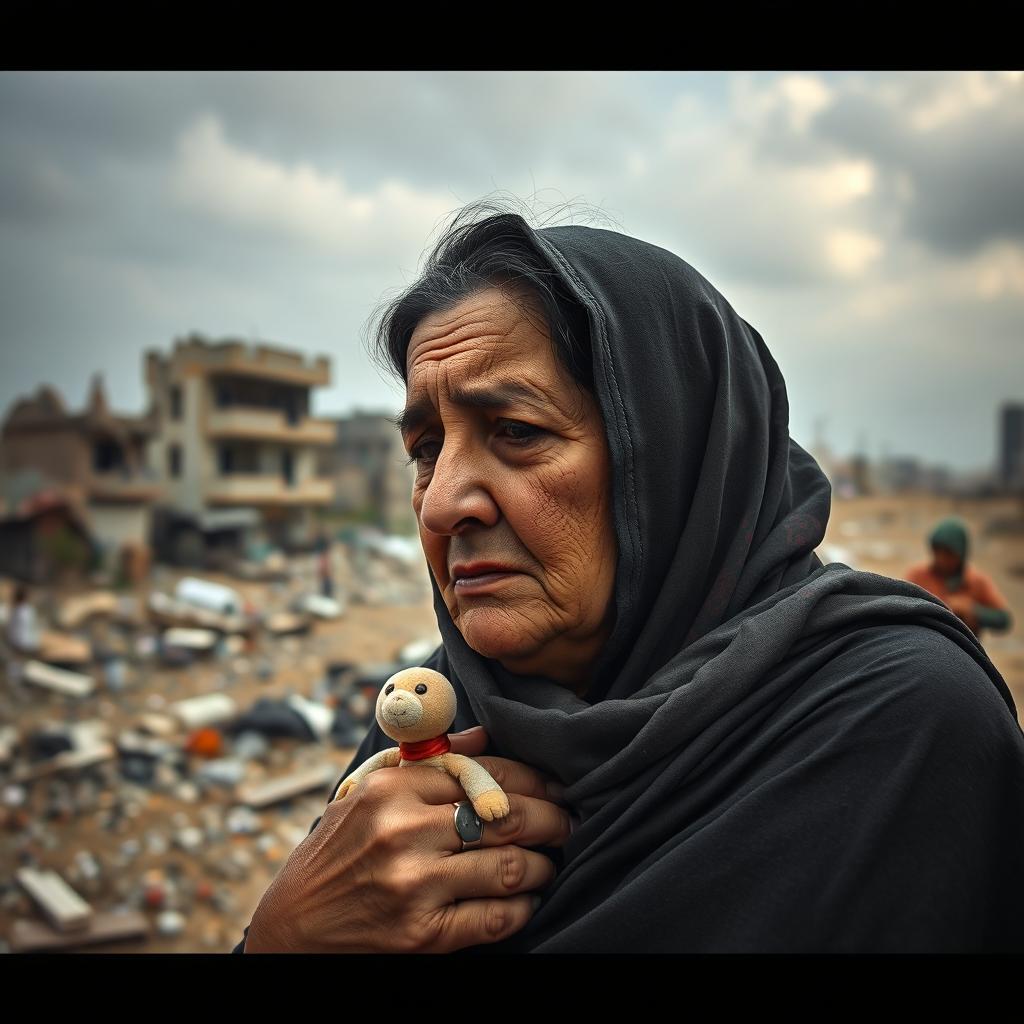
(484, 793)
(388, 758)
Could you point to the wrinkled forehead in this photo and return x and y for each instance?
(492, 326)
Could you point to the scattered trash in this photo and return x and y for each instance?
(318, 717)
(29, 936)
(288, 623)
(326, 608)
(63, 649)
(200, 712)
(213, 597)
(274, 718)
(225, 771)
(284, 788)
(250, 746)
(142, 785)
(158, 725)
(76, 611)
(189, 639)
(61, 904)
(205, 743)
(70, 684)
(242, 821)
(190, 839)
(170, 924)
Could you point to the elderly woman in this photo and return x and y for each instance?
(709, 740)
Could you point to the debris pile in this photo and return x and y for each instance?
(164, 749)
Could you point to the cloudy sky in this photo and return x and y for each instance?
(869, 225)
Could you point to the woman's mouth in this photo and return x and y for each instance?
(471, 577)
(482, 581)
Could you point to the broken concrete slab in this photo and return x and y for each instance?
(58, 901)
(166, 611)
(210, 596)
(209, 709)
(158, 725)
(322, 607)
(287, 623)
(76, 611)
(69, 761)
(264, 794)
(36, 937)
(224, 771)
(190, 639)
(63, 649)
(58, 680)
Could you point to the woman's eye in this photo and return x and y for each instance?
(423, 453)
(521, 433)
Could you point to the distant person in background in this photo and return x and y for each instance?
(968, 592)
(22, 625)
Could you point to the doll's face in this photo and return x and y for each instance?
(416, 704)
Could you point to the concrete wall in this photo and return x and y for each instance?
(114, 525)
(64, 455)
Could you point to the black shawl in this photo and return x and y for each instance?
(773, 755)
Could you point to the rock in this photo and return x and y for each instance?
(242, 820)
(190, 839)
(170, 924)
(250, 746)
(187, 792)
(207, 710)
(225, 771)
(189, 639)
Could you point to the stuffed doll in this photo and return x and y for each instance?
(417, 707)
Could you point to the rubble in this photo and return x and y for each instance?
(166, 783)
(274, 718)
(63, 649)
(77, 611)
(61, 904)
(209, 709)
(322, 607)
(284, 788)
(189, 639)
(69, 684)
(288, 623)
(34, 937)
(224, 771)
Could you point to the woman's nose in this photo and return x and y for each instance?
(457, 495)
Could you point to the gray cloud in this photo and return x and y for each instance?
(136, 207)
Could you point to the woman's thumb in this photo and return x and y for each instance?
(471, 741)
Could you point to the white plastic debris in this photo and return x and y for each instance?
(200, 712)
(213, 597)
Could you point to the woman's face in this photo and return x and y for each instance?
(512, 488)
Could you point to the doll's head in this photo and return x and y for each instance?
(416, 704)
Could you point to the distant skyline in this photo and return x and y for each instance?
(870, 225)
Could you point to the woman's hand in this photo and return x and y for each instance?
(383, 871)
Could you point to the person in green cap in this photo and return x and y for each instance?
(967, 591)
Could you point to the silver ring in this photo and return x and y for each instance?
(469, 826)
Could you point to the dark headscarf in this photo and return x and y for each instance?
(739, 760)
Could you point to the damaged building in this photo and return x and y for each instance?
(237, 447)
(69, 479)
